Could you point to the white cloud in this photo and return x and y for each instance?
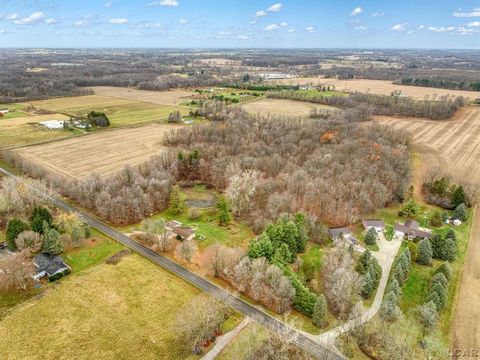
(284, 24)
(272, 27)
(118, 21)
(356, 11)
(474, 13)
(399, 27)
(164, 3)
(441, 28)
(3, 31)
(254, 21)
(474, 24)
(360, 27)
(33, 18)
(291, 30)
(378, 14)
(81, 23)
(184, 21)
(275, 7)
(260, 13)
(11, 17)
(108, 4)
(421, 27)
(151, 25)
(310, 29)
(242, 37)
(51, 21)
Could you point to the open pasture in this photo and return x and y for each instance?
(265, 107)
(381, 87)
(103, 152)
(120, 111)
(122, 311)
(171, 97)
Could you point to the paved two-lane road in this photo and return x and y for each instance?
(302, 339)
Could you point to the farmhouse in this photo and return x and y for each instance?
(412, 230)
(48, 265)
(53, 124)
(341, 234)
(378, 225)
(177, 229)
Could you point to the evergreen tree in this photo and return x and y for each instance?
(177, 205)
(428, 314)
(367, 286)
(440, 279)
(38, 217)
(438, 244)
(319, 316)
(390, 310)
(408, 256)
(460, 212)
(399, 275)
(363, 261)
(371, 237)
(301, 222)
(442, 295)
(14, 228)
(451, 235)
(52, 243)
(283, 254)
(260, 247)
(394, 286)
(450, 250)
(445, 269)
(459, 196)
(424, 252)
(223, 210)
(435, 298)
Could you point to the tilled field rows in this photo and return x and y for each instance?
(458, 142)
(104, 153)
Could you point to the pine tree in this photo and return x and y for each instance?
(450, 250)
(177, 205)
(408, 256)
(394, 287)
(14, 228)
(319, 316)
(371, 237)
(459, 196)
(440, 278)
(363, 261)
(52, 243)
(437, 246)
(442, 295)
(428, 314)
(445, 269)
(435, 298)
(399, 275)
(460, 212)
(451, 235)
(367, 286)
(223, 210)
(390, 310)
(283, 254)
(424, 252)
(38, 217)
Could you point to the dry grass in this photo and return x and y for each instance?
(171, 97)
(103, 152)
(25, 130)
(282, 107)
(382, 87)
(123, 311)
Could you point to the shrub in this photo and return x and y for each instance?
(437, 219)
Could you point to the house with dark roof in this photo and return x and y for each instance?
(341, 234)
(378, 225)
(176, 228)
(411, 230)
(48, 265)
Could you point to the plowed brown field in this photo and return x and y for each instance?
(103, 152)
(455, 146)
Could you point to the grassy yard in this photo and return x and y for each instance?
(16, 110)
(252, 333)
(122, 311)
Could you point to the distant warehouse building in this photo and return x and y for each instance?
(53, 124)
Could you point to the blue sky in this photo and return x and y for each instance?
(236, 23)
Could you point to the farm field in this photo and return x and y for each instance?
(382, 87)
(282, 107)
(103, 152)
(121, 311)
(25, 130)
(171, 97)
(120, 111)
(454, 146)
(16, 110)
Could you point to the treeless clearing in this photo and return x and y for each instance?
(171, 97)
(25, 130)
(382, 87)
(104, 152)
(454, 146)
(122, 311)
(282, 107)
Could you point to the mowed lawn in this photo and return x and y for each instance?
(122, 311)
(120, 111)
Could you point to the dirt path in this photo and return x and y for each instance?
(224, 340)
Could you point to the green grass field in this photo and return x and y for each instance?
(122, 311)
(121, 112)
(16, 110)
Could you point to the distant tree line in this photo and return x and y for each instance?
(442, 84)
(442, 109)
